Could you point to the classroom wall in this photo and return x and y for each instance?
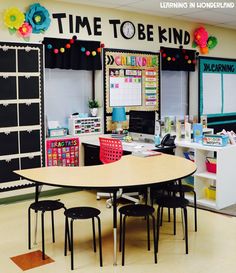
(225, 48)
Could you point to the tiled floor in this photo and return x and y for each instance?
(211, 250)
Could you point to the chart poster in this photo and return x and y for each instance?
(131, 80)
(217, 95)
(125, 87)
(62, 152)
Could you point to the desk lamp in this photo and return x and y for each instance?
(118, 115)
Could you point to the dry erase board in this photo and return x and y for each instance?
(125, 87)
(131, 79)
(217, 92)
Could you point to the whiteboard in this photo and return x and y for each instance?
(125, 87)
(212, 93)
(217, 88)
(229, 86)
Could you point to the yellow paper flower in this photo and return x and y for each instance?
(13, 18)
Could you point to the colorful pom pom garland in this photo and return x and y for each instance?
(70, 43)
(169, 57)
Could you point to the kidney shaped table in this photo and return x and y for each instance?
(129, 171)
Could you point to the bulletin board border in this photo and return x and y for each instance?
(106, 80)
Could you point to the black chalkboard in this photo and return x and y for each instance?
(7, 168)
(8, 116)
(27, 162)
(7, 60)
(7, 88)
(29, 141)
(29, 114)
(9, 143)
(28, 88)
(21, 109)
(28, 61)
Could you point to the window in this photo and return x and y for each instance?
(174, 93)
(66, 92)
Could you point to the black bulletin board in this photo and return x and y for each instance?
(21, 112)
(131, 80)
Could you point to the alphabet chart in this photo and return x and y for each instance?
(62, 152)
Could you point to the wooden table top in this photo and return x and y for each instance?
(128, 171)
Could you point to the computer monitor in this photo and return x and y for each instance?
(142, 125)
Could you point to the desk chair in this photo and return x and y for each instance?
(111, 150)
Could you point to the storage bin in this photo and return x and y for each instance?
(210, 193)
(211, 167)
(215, 140)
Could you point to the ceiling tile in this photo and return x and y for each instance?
(210, 16)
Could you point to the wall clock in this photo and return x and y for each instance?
(127, 29)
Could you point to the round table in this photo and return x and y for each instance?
(129, 171)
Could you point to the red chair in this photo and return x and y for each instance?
(111, 150)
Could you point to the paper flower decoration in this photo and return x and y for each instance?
(36, 20)
(204, 50)
(25, 30)
(13, 18)
(201, 37)
(211, 42)
(202, 40)
(38, 17)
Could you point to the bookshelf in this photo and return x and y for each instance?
(222, 180)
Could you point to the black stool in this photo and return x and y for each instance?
(173, 202)
(43, 206)
(80, 213)
(136, 211)
(182, 189)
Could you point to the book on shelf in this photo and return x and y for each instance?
(146, 153)
(187, 131)
(212, 187)
(204, 121)
(118, 136)
(189, 155)
(211, 160)
(197, 132)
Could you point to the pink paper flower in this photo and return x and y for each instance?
(25, 30)
(201, 37)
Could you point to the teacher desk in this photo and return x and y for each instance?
(129, 171)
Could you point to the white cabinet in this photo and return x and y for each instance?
(224, 179)
(81, 126)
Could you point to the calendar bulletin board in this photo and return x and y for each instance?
(132, 80)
